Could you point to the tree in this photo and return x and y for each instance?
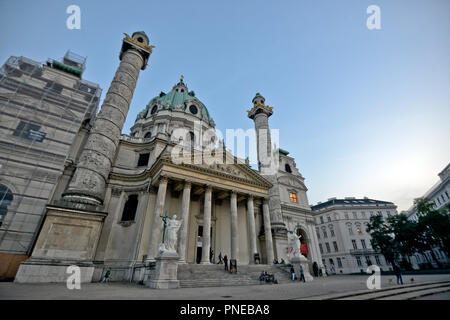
(382, 238)
(434, 226)
(405, 236)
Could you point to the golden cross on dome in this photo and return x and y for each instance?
(181, 78)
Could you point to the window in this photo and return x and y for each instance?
(377, 260)
(346, 215)
(335, 246)
(358, 261)
(325, 235)
(329, 219)
(350, 229)
(321, 248)
(143, 159)
(355, 216)
(323, 262)
(363, 243)
(193, 109)
(148, 135)
(321, 219)
(6, 198)
(332, 231)
(354, 245)
(29, 131)
(154, 109)
(293, 197)
(339, 261)
(328, 247)
(129, 210)
(358, 228)
(368, 261)
(288, 168)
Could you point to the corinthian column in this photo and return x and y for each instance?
(155, 235)
(234, 227)
(90, 177)
(251, 227)
(185, 202)
(206, 246)
(268, 232)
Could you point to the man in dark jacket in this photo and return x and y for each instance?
(398, 274)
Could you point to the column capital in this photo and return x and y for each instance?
(163, 179)
(187, 184)
(233, 192)
(250, 197)
(208, 187)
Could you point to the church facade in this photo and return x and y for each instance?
(108, 206)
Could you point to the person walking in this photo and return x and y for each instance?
(225, 261)
(220, 258)
(302, 275)
(398, 274)
(292, 274)
(107, 276)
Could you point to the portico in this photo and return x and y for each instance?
(221, 203)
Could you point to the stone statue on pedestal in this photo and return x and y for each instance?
(294, 242)
(170, 234)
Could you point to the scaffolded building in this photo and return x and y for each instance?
(44, 108)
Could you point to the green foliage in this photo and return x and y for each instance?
(382, 238)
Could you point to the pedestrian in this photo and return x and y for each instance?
(315, 269)
(292, 274)
(220, 258)
(107, 276)
(398, 273)
(225, 261)
(302, 274)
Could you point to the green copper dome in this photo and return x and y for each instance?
(178, 99)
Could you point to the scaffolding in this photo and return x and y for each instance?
(42, 107)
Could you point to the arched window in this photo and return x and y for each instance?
(287, 167)
(154, 109)
(6, 198)
(129, 210)
(148, 135)
(191, 138)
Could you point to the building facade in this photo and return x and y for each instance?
(439, 194)
(111, 199)
(341, 230)
(44, 110)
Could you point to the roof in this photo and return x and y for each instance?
(178, 99)
(349, 202)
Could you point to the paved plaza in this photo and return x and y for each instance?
(320, 286)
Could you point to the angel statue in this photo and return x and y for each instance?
(171, 233)
(294, 242)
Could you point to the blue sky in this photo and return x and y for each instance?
(364, 113)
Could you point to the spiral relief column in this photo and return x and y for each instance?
(89, 180)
